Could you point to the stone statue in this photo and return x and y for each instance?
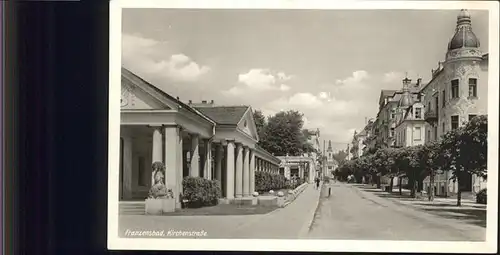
(158, 174)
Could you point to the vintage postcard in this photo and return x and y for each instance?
(293, 125)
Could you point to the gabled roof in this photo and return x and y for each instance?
(130, 75)
(224, 115)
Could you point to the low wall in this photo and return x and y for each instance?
(281, 201)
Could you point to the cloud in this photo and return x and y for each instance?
(284, 87)
(393, 77)
(157, 61)
(258, 80)
(336, 109)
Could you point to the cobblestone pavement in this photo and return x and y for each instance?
(289, 222)
(351, 213)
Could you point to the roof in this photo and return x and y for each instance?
(161, 92)
(224, 115)
(464, 37)
(388, 92)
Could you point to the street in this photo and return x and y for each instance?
(351, 213)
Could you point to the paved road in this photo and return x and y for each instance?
(351, 213)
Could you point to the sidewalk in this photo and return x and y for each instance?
(464, 218)
(290, 222)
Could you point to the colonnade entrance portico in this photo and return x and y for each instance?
(185, 154)
(214, 143)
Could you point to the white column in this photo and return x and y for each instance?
(157, 148)
(239, 171)
(207, 168)
(180, 168)
(230, 170)
(195, 156)
(246, 172)
(252, 172)
(172, 164)
(157, 145)
(218, 161)
(127, 167)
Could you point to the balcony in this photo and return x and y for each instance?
(431, 116)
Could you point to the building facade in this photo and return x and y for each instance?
(457, 92)
(198, 140)
(422, 113)
(303, 167)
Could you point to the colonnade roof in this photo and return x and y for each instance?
(132, 76)
(266, 154)
(224, 115)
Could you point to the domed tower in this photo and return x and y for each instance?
(464, 43)
(406, 99)
(462, 70)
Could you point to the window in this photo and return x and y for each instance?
(443, 127)
(418, 113)
(444, 98)
(435, 132)
(392, 132)
(454, 122)
(418, 133)
(428, 134)
(429, 106)
(393, 115)
(472, 87)
(454, 89)
(471, 116)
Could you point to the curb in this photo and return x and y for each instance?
(307, 225)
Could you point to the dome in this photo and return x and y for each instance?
(464, 37)
(464, 14)
(405, 101)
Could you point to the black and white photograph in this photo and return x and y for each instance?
(303, 126)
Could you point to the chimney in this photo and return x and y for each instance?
(203, 101)
(212, 101)
(419, 80)
(177, 98)
(190, 101)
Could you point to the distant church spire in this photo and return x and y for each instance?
(330, 145)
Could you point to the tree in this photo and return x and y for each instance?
(430, 160)
(307, 147)
(260, 122)
(283, 134)
(474, 146)
(464, 151)
(340, 155)
(450, 158)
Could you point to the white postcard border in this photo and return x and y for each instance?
(117, 243)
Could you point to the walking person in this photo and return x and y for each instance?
(317, 183)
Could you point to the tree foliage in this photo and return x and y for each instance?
(461, 151)
(260, 122)
(283, 134)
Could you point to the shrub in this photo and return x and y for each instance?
(481, 197)
(201, 192)
(267, 181)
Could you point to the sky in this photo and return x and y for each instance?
(328, 64)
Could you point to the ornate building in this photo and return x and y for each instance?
(385, 124)
(409, 122)
(457, 92)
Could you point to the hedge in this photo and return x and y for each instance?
(201, 192)
(481, 197)
(266, 181)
